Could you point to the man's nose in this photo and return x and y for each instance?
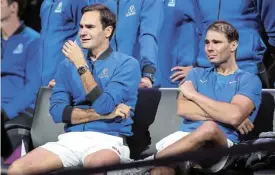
(82, 32)
(209, 47)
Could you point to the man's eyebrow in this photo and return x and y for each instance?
(214, 40)
(87, 25)
(217, 41)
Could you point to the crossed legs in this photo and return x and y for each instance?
(208, 131)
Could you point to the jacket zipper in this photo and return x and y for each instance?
(117, 13)
(43, 41)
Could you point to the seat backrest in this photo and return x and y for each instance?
(166, 121)
(43, 128)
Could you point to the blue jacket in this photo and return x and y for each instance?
(20, 71)
(178, 39)
(117, 76)
(138, 28)
(250, 17)
(59, 23)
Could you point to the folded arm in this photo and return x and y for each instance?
(190, 110)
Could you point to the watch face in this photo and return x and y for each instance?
(152, 78)
(81, 70)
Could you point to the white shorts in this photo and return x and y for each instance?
(172, 138)
(73, 147)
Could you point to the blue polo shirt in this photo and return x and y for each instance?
(223, 88)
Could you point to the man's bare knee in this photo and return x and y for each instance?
(210, 129)
(101, 158)
(17, 168)
(35, 162)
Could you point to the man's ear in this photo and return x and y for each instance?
(234, 45)
(108, 31)
(14, 7)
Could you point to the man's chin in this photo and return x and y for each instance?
(215, 63)
(85, 46)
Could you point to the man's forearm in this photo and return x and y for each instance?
(190, 110)
(88, 82)
(85, 115)
(219, 111)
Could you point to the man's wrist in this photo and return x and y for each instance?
(80, 62)
(82, 69)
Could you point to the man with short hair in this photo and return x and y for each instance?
(20, 68)
(252, 19)
(95, 96)
(214, 102)
(137, 33)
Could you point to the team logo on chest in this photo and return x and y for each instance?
(58, 8)
(104, 74)
(203, 81)
(172, 3)
(18, 49)
(131, 11)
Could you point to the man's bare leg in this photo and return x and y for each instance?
(37, 161)
(208, 131)
(101, 158)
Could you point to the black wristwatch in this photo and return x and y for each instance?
(82, 69)
(150, 76)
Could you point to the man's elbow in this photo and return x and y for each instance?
(182, 112)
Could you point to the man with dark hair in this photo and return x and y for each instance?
(251, 18)
(95, 96)
(20, 68)
(137, 33)
(215, 102)
(21, 7)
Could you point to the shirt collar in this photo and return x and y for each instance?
(18, 30)
(104, 55)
